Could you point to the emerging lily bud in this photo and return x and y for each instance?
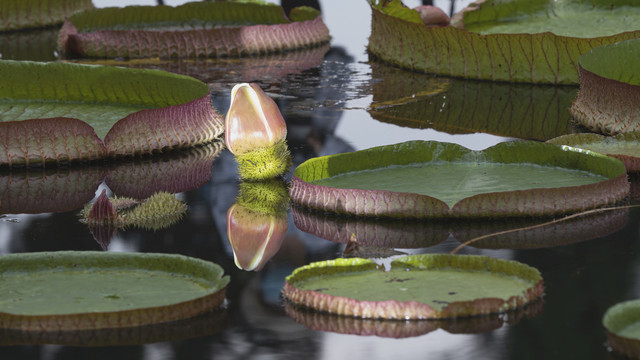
(255, 133)
(432, 15)
(102, 211)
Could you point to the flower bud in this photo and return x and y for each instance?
(253, 120)
(432, 15)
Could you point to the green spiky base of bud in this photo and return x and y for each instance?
(266, 197)
(265, 163)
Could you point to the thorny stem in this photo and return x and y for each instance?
(554, 221)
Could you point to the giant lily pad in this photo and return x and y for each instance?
(622, 323)
(625, 146)
(426, 179)
(459, 106)
(608, 100)
(56, 112)
(91, 290)
(510, 40)
(415, 287)
(196, 29)
(25, 14)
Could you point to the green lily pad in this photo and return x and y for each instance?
(415, 287)
(510, 40)
(459, 106)
(100, 111)
(622, 323)
(625, 146)
(93, 290)
(196, 29)
(426, 179)
(609, 89)
(28, 14)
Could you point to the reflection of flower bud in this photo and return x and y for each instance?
(255, 133)
(432, 15)
(254, 236)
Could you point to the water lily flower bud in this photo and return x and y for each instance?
(432, 15)
(255, 133)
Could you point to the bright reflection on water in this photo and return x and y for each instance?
(327, 110)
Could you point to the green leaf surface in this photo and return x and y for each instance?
(431, 179)
(60, 289)
(421, 286)
(617, 61)
(28, 14)
(622, 323)
(538, 57)
(625, 146)
(132, 110)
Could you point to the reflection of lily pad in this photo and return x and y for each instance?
(202, 325)
(37, 45)
(133, 111)
(457, 106)
(430, 179)
(622, 322)
(543, 53)
(196, 29)
(62, 189)
(415, 287)
(28, 14)
(608, 100)
(319, 321)
(625, 146)
(90, 290)
(509, 233)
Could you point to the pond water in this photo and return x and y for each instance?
(335, 99)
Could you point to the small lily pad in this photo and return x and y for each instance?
(194, 30)
(426, 179)
(609, 89)
(506, 40)
(427, 286)
(93, 290)
(625, 146)
(622, 323)
(59, 112)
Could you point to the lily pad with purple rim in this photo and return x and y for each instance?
(508, 40)
(58, 113)
(67, 290)
(29, 14)
(609, 97)
(194, 30)
(428, 179)
(624, 146)
(622, 324)
(430, 286)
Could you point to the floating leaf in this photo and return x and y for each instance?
(425, 179)
(27, 14)
(96, 290)
(609, 97)
(622, 323)
(545, 52)
(625, 146)
(458, 106)
(428, 286)
(100, 111)
(196, 29)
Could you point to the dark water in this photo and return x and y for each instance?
(335, 100)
